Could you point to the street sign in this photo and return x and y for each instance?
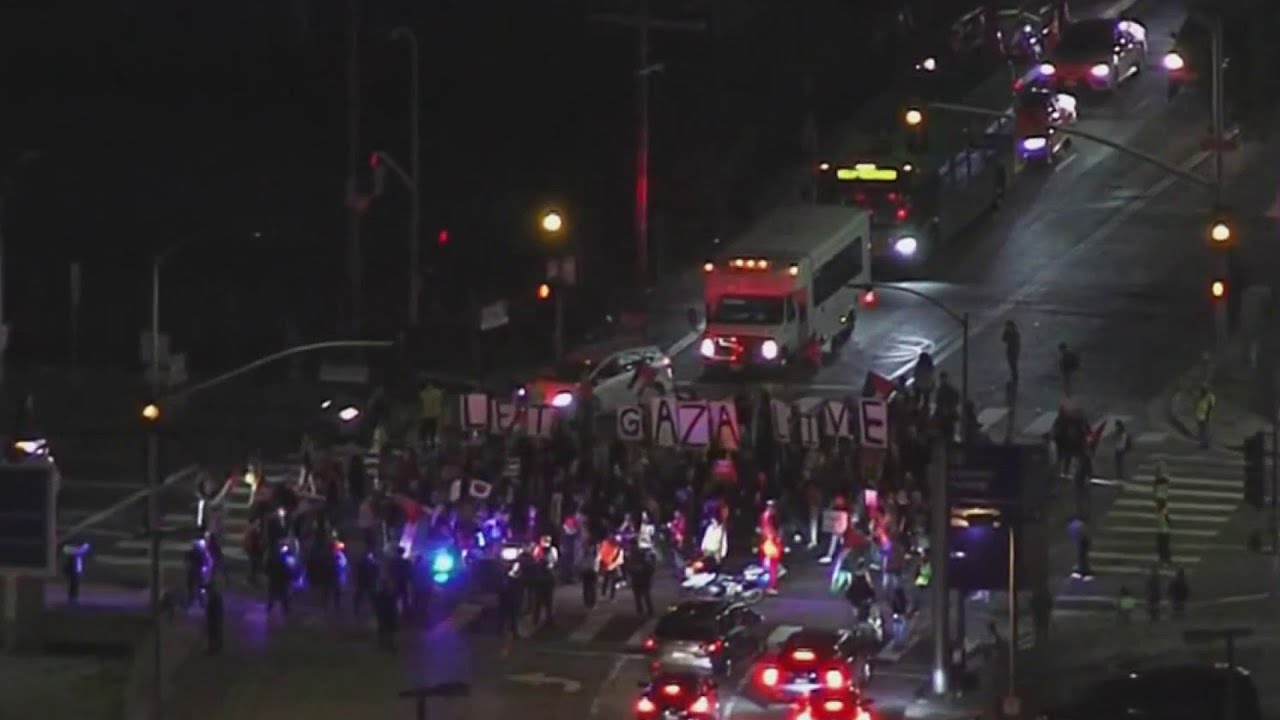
(28, 503)
(986, 475)
(493, 316)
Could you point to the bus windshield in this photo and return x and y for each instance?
(747, 310)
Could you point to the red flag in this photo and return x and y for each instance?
(878, 385)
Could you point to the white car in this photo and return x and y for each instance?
(615, 377)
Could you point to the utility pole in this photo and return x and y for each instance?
(642, 22)
(355, 257)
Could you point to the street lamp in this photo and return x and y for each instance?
(415, 160)
(552, 222)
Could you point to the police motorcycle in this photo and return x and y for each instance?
(199, 562)
(704, 581)
(290, 554)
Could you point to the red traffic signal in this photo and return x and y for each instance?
(442, 237)
(544, 291)
(1218, 289)
(374, 160)
(869, 298)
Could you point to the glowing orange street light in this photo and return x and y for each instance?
(151, 412)
(544, 291)
(552, 222)
(1218, 289)
(913, 117)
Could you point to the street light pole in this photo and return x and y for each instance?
(964, 359)
(415, 168)
(1217, 109)
(642, 146)
(153, 497)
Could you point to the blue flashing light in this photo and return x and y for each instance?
(442, 564)
(440, 578)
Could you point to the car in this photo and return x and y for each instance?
(1026, 32)
(809, 659)
(678, 696)
(832, 704)
(1097, 54)
(1037, 116)
(612, 374)
(705, 636)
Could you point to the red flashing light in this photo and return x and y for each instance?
(770, 676)
(374, 160)
(870, 298)
(901, 214)
(833, 679)
(644, 706)
(442, 238)
(650, 644)
(713, 647)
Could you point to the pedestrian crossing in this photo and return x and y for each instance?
(131, 552)
(1205, 490)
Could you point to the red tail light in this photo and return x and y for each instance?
(870, 299)
(671, 690)
(902, 213)
(701, 706)
(833, 679)
(713, 647)
(645, 706)
(833, 706)
(649, 644)
(769, 677)
(860, 198)
(893, 197)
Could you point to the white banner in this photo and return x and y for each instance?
(630, 423)
(501, 417)
(690, 423)
(873, 423)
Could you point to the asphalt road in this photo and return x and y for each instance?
(1101, 252)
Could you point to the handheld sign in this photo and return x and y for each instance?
(630, 423)
(873, 423)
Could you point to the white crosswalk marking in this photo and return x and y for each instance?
(1041, 425)
(1205, 489)
(989, 417)
(594, 623)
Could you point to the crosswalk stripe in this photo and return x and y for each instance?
(1112, 555)
(1184, 483)
(1146, 515)
(137, 561)
(1148, 503)
(1141, 570)
(990, 416)
(1041, 425)
(642, 633)
(1174, 531)
(1108, 422)
(780, 634)
(592, 624)
(1175, 492)
(1151, 437)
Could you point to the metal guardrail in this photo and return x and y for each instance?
(187, 473)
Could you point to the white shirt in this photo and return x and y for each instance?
(645, 536)
(715, 544)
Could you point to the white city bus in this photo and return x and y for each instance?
(786, 290)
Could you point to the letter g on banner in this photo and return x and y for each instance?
(630, 423)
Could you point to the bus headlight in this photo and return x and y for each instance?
(906, 246)
(562, 400)
(707, 347)
(1101, 70)
(769, 349)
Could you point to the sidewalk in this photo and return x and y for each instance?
(1234, 383)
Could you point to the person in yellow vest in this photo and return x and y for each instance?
(1204, 414)
(431, 400)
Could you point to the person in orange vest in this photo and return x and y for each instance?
(609, 561)
(770, 546)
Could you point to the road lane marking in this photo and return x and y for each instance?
(1173, 532)
(990, 416)
(1139, 557)
(1041, 281)
(1182, 517)
(594, 710)
(1065, 162)
(1175, 507)
(1041, 425)
(1176, 492)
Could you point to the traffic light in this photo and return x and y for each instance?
(544, 291)
(151, 412)
(442, 237)
(1255, 465)
(1221, 233)
(917, 134)
(869, 297)
(1218, 289)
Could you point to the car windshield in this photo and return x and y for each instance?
(683, 626)
(747, 310)
(1088, 37)
(572, 369)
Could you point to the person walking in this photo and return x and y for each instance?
(1205, 405)
(1012, 340)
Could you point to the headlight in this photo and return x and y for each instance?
(562, 399)
(1047, 69)
(348, 413)
(707, 348)
(1032, 144)
(1100, 70)
(1174, 62)
(906, 246)
(769, 349)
